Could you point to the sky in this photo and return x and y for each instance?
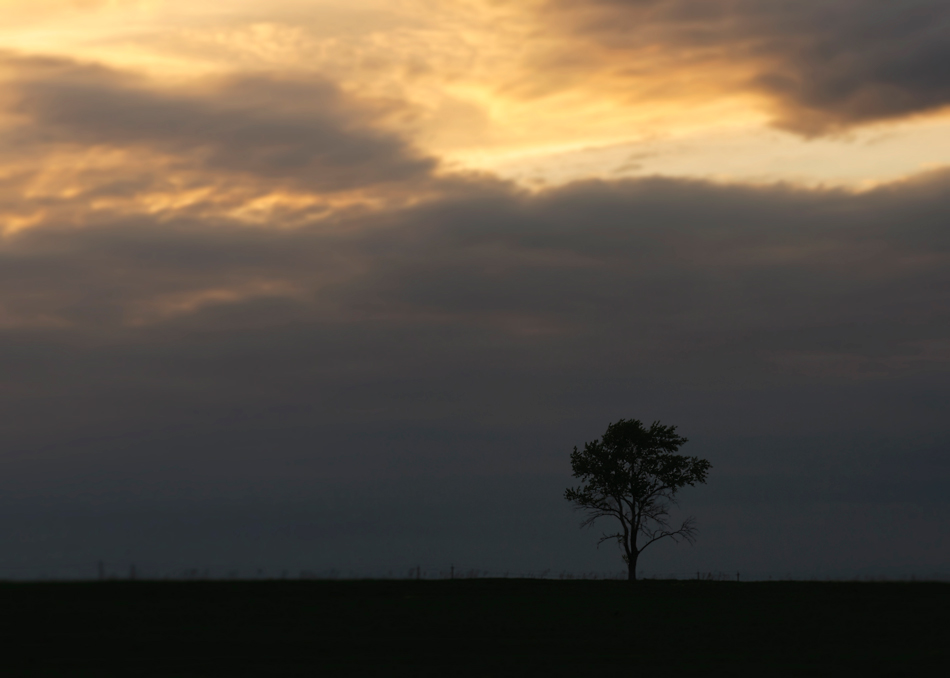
(336, 287)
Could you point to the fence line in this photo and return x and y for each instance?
(128, 570)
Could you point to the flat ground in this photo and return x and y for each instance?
(501, 627)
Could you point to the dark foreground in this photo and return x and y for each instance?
(473, 628)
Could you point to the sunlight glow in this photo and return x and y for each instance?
(480, 87)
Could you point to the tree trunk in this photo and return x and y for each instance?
(632, 567)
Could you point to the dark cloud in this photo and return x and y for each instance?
(826, 64)
(301, 130)
(418, 376)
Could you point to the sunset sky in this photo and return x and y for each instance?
(327, 284)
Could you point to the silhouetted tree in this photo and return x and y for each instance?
(632, 474)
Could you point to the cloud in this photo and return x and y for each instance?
(157, 342)
(301, 131)
(825, 66)
(714, 283)
(160, 364)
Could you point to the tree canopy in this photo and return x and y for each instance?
(633, 474)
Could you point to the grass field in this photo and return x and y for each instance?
(500, 627)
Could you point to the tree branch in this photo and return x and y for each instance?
(686, 532)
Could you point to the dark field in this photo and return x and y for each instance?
(474, 628)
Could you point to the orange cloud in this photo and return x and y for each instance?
(820, 66)
(83, 142)
(482, 84)
(300, 130)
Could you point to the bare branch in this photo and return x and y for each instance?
(686, 532)
(608, 537)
